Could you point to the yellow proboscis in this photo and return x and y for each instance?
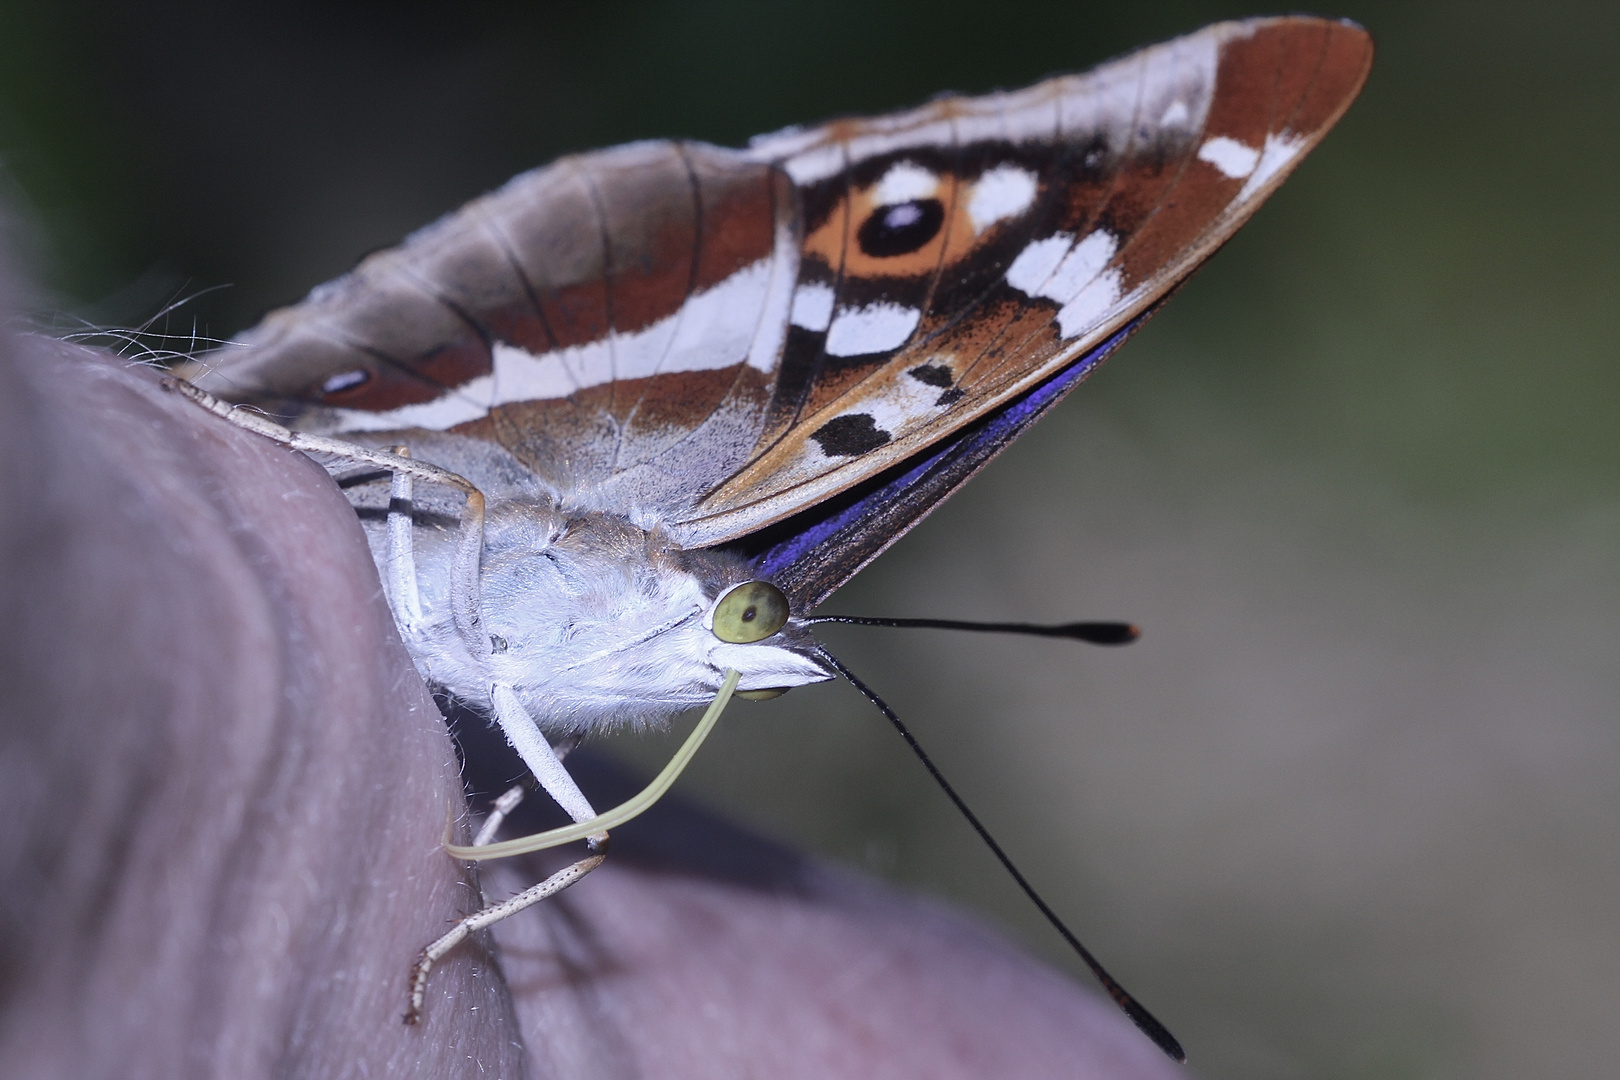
(620, 814)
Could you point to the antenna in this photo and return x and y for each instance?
(1132, 1008)
(1093, 633)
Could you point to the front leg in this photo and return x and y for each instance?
(404, 594)
(465, 599)
(465, 603)
(525, 736)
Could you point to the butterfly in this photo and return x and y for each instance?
(624, 423)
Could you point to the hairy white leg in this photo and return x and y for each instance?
(464, 590)
(403, 591)
(625, 811)
(525, 737)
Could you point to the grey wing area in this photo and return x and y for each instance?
(612, 323)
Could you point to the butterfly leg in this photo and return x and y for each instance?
(404, 596)
(546, 764)
(464, 591)
(497, 815)
(514, 795)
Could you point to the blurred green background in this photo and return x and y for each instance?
(1349, 809)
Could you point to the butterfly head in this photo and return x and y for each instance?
(751, 612)
(597, 623)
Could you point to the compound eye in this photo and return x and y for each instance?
(749, 612)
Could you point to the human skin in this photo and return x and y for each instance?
(223, 790)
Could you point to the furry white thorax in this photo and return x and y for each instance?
(593, 621)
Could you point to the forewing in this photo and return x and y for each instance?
(816, 550)
(958, 256)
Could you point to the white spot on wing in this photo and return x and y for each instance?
(1176, 114)
(1034, 265)
(1075, 275)
(1279, 151)
(344, 380)
(1090, 304)
(771, 332)
(1057, 268)
(816, 164)
(812, 306)
(1080, 266)
(522, 376)
(905, 182)
(720, 325)
(1230, 156)
(1003, 192)
(874, 328)
(643, 352)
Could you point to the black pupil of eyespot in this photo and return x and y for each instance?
(749, 613)
(901, 228)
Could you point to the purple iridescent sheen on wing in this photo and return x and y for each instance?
(811, 554)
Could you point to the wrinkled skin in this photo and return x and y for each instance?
(223, 789)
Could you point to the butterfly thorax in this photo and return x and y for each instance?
(594, 621)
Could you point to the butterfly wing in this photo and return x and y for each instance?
(613, 321)
(960, 255)
(818, 549)
(1150, 164)
(802, 347)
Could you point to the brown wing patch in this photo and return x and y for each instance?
(737, 214)
(553, 233)
(734, 228)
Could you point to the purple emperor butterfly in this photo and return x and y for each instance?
(630, 418)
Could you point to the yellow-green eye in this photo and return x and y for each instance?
(748, 612)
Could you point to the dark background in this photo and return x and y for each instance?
(1349, 809)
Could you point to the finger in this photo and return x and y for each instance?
(225, 787)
